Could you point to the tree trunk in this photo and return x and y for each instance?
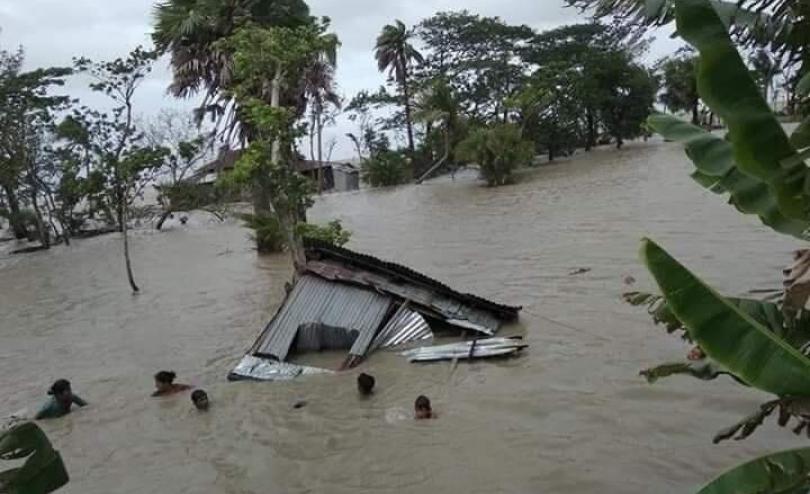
(127, 261)
(42, 228)
(695, 113)
(320, 175)
(591, 124)
(287, 216)
(15, 219)
(619, 142)
(407, 96)
(163, 218)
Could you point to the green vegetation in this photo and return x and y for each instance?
(497, 150)
(762, 171)
(43, 470)
(567, 88)
(385, 168)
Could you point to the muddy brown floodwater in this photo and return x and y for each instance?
(571, 416)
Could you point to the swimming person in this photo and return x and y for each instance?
(200, 400)
(365, 384)
(422, 408)
(165, 385)
(62, 398)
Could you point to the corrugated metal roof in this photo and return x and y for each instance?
(317, 250)
(420, 295)
(315, 300)
(404, 327)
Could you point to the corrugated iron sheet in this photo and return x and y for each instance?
(467, 350)
(315, 300)
(251, 367)
(446, 306)
(404, 327)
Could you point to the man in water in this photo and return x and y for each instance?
(60, 402)
(365, 384)
(422, 408)
(165, 385)
(200, 400)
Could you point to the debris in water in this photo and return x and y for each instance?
(343, 300)
(467, 350)
(579, 271)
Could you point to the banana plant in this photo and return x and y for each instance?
(43, 470)
(763, 172)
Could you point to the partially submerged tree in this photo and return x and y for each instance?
(27, 112)
(121, 161)
(497, 151)
(679, 84)
(279, 55)
(395, 54)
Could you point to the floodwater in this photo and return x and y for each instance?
(571, 415)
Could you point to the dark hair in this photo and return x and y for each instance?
(165, 377)
(59, 387)
(422, 403)
(198, 394)
(365, 383)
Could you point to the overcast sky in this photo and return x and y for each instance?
(53, 31)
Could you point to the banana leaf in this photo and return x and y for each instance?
(718, 172)
(728, 336)
(43, 470)
(786, 472)
(760, 146)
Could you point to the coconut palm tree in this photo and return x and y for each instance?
(189, 30)
(395, 53)
(319, 92)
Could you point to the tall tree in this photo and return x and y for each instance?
(123, 163)
(189, 31)
(279, 54)
(27, 111)
(679, 84)
(626, 96)
(395, 53)
(478, 56)
(320, 93)
(765, 68)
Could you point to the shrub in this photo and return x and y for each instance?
(497, 150)
(385, 168)
(270, 237)
(332, 233)
(266, 231)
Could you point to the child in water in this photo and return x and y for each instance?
(365, 384)
(200, 400)
(422, 408)
(165, 385)
(60, 402)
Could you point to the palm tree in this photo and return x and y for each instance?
(394, 53)
(439, 105)
(319, 92)
(189, 31)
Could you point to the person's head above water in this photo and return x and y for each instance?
(61, 390)
(200, 399)
(365, 384)
(422, 409)
(164, 380)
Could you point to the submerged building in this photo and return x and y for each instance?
(343, 300)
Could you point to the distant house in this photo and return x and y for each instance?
(335, 176)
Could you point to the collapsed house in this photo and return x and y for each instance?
(345, 300)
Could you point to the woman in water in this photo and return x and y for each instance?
(60, 402)
(165, 385)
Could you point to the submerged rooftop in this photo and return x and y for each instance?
(342, 299)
